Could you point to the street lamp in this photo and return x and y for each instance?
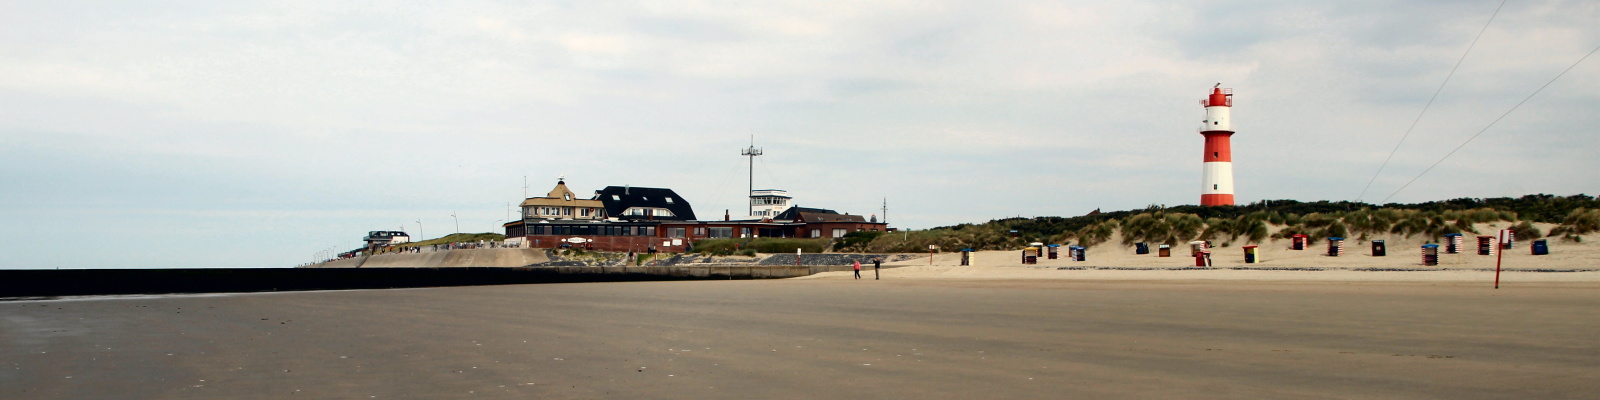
(458, 221)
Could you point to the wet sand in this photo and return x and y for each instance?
(829, 337)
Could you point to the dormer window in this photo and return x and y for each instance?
(616, 198)
(566, 196)
(669, 200)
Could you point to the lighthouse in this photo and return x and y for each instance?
(1216, 180)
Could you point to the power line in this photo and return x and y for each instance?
(1491, 124)
(1430, 101)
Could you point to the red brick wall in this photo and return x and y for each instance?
(828, 227)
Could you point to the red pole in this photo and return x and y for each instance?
(1498, 257)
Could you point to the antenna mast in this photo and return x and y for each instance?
(751, 152)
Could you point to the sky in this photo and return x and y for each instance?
(190, 134)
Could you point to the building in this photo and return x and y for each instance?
(649, 204)
(617, 218)
(562, 204)
(376, 239)
(768, 203)
(640, 219)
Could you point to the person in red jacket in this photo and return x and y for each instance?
(858, 269)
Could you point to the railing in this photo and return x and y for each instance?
(1228, 102)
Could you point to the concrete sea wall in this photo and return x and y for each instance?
(16, 284)
(445, 259)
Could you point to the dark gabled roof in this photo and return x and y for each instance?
(794, 212)
(619, 198)
(809, 217)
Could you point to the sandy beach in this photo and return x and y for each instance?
(1298, 325)
(1568, 261)
(923, 332)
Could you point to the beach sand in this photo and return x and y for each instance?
(922, 332)
(1113, 260)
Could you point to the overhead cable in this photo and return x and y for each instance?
(1430, 101)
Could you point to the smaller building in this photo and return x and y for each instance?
(768, 203)
(562, 204)
(376, 239)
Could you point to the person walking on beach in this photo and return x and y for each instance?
(858, 269)
(875, 263)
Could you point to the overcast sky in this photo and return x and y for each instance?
(246, 134)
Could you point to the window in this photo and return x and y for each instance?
(700, 231)
(721, 232)
(676, 232)
(616, 198)
(745, 233)
(816, 233)
(838, 232)
(1213, 187)
(566, 196)
(584, 212)
(1216, 154)
(566, 210)
(669, 200)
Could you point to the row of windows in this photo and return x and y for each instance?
(676, 232)
(534, 212)
(646, 212)
(766, 201)
(592, 230)
(619, 198)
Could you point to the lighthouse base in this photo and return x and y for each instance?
(1216, 199)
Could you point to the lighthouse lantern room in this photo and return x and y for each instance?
(1217, 177)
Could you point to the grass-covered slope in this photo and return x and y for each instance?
(1573, 217)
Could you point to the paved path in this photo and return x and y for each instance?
(819, 338)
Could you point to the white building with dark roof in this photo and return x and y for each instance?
(768, 203)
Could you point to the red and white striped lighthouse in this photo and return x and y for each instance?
(1216, 182)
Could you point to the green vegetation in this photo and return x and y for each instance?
(1575, 216)
(725, 247)
(457, 238)
(1577, 223)
(855, 241)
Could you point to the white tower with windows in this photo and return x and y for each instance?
(768, 203)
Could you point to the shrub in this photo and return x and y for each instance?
(856, 241)
(1093, 234)
(1526, 229)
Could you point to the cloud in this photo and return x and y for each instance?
(317, 121)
